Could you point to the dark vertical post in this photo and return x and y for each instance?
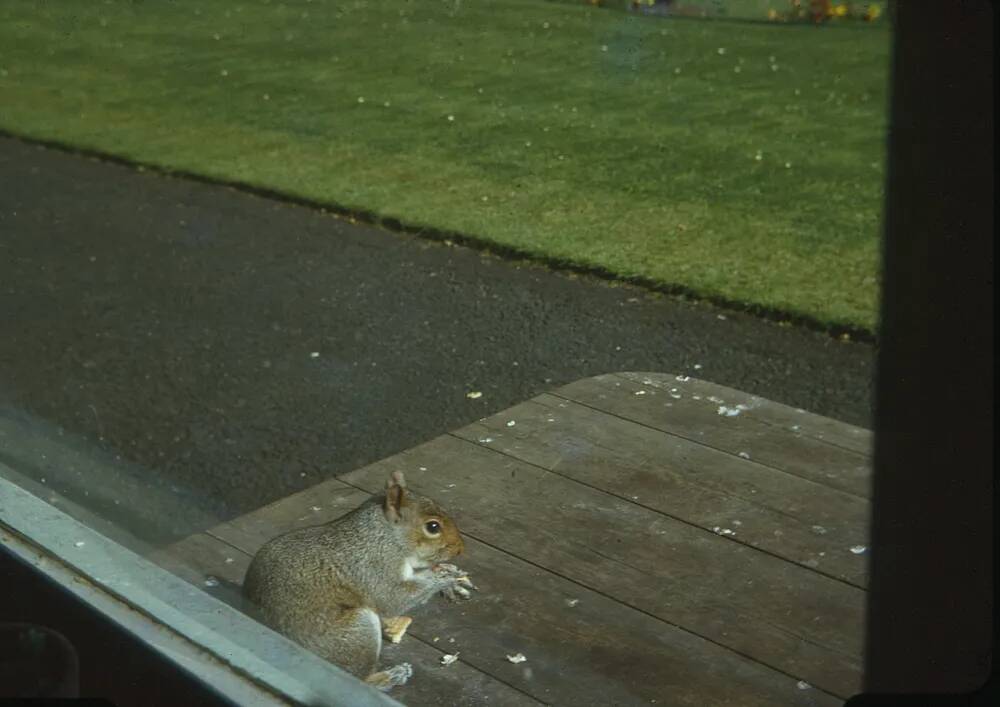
(930, 603)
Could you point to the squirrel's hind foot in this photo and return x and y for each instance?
(385, 680)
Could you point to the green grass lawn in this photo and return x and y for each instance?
(741, 161)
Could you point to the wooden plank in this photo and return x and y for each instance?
(804, 522)
(795, 621)
(203, 555)
(807, 424)
(456, 684)
(319, 504)
(700, 421)
(582, 647)
(586, 648)
(198, 557)
(212, 566)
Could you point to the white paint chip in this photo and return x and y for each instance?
(474, 395)
(858, 549)
(449, 658)
(803, 685)
(516, 658)
(511, 423)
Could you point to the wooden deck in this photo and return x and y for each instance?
(641, 538)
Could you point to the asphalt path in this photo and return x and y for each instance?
(230, 349)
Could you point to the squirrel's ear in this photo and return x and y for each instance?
(394, 492)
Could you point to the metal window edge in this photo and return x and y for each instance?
(241, 659)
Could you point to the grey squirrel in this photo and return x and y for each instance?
(338, 588)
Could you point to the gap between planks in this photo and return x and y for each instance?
(651, 509)
(604, 449)
(568, 396)
(846, 436)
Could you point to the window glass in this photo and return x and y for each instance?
(249, 249)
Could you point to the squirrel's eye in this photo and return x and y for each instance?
(432, 527)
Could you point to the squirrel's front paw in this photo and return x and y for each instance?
(456, 582)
